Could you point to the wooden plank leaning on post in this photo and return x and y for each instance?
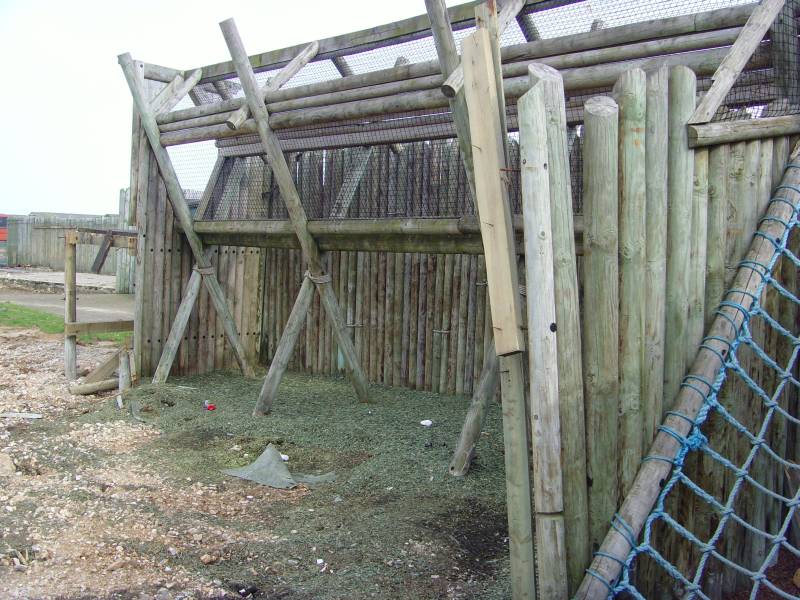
(725, 76)
(570, 372)
(70, 306)
(607, 565)
(548, 496)
(297, 215)
(181, 210)
(491, 197)
(240, 115)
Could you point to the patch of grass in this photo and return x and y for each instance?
(16, 315)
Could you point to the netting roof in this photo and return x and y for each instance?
(754, 95)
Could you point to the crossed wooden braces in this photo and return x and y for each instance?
(204, 272)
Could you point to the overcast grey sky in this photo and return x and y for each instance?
(65, 104)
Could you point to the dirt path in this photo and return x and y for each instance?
(102, 506)
(91, 307)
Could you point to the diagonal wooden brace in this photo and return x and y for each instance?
(294, 207)
(181, 210)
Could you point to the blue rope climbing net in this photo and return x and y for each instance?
(724, 518)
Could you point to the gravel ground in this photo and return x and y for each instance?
(96, 504)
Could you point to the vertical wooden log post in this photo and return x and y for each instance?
(570, 373)
(717, 228)
(70, 305)
(181, 210)
(600, 311)
(488, 142)
(656, 234)
(697, 288)
(548, 501)
(630, 93)
(125, 378)
(297, 214)
(682, 92)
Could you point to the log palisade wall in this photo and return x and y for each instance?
(419, 320)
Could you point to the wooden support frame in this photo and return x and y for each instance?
(181, 210)
(297, 215)
(548, 494)
(725, 76)
(70, 306)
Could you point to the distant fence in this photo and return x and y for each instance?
(37, 240)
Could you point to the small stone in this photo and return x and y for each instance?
(426, 423)
(20, 568)
(209, 559)
(6, 465)
(172, 551)
(292, 562)
(163, 594)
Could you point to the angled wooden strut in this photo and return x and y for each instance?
(181, 210)
(297, 216)
(732, 65)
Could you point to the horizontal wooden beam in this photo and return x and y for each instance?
(663, 36)
(126, 239)
(92, 327)
(441, 235)
(727, 132)
(702, 62)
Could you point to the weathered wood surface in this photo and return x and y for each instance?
(705, 366)
(570, 372)
(726, 132)
(495, 217)
(600, 314)
(630, 93)
(70, 309)
(544, 401)
(92, 327)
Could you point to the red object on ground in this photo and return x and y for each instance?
(211, 407)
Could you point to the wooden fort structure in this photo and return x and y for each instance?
(465, 203)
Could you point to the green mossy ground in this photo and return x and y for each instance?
(392, 495)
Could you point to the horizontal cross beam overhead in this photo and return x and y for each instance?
(181, 211)
(743, 48)
(291, 198)
(240, 115)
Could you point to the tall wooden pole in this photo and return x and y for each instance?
(656, 275)
(570, 372)
(548, 498)
(630, 93)
(70, 307)
(682, 92)
(601, 306)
